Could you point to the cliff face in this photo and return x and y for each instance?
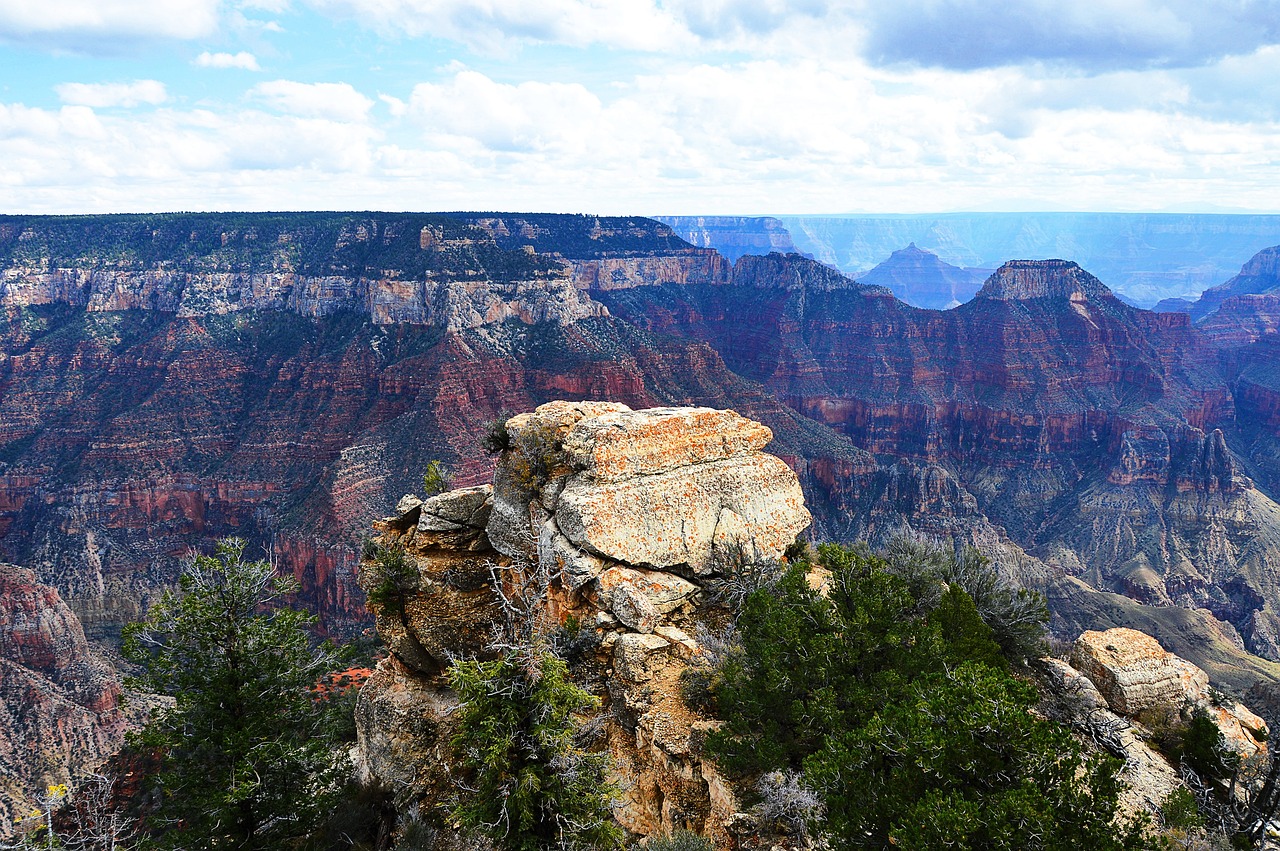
(59, 716)
(1260, 275)
(733, 236)
(1093, 435)
(167, 380)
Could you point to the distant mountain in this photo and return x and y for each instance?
(1259, 276)
(732, 236)
(1173, 305)
(1144, 257)
(922, 279)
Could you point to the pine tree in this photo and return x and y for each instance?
(247, 759)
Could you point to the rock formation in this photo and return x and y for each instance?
(1133, 673)
(59, 700)
(1259, 276)
(733, 236)
(1146, 257)
(629, 517)
(922, 279)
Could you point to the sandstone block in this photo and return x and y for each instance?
(457, 508)
(1075, 683)
(631, 655)
(669, 519)
(619, 445)
(1133, 672)
(407, 503)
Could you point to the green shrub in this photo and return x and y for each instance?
(497, 439)
(528, 784)
(1180, 811)
(436, 479)
(681, 840)
(893, 697)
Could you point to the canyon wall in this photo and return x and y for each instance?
(168, 380)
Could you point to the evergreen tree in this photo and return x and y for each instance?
(247, 756)
(529, 785)
(893, 698)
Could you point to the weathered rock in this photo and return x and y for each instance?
(407, 503)
(669, 520)
(632, 654)
(449, 607)
(457, 510)
(574, 567)
(1071, 682)
(638, 598)
(1133, 672)
(621, 445)
(530, 472)
(402, 728)
(59, 700)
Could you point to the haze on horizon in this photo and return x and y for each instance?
(640, 106)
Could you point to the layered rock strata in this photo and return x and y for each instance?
(59, 700)
(628, 516)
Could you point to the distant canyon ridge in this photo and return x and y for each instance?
(1144, 258)
(169, 379)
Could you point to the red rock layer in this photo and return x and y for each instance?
(59, 714)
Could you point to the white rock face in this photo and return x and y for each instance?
(669, 520)
(626, 444)
(665, 488)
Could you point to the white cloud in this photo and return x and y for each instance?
(335, 101)
(527, 117)
(1099, 35)
(242, 60)
(778, 135)
(94, 24)
(497, 25)
(106, 95)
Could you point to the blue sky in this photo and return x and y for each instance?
(640, 106)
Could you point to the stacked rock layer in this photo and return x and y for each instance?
(628, 516)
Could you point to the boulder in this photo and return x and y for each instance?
(456, 509)
(631, 655)
(621, 445)
(1133, 672)
(668, 520)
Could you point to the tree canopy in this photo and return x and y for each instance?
(893, 697)
(247, 756)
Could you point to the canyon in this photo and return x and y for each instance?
(169, 379)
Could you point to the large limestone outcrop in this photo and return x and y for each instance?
(1133, 673)
(675, 489)
(626, 516)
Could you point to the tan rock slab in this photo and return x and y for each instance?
(1133, 672)
(670, 519)
(616, 446)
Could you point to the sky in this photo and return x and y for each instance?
(644, 107)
